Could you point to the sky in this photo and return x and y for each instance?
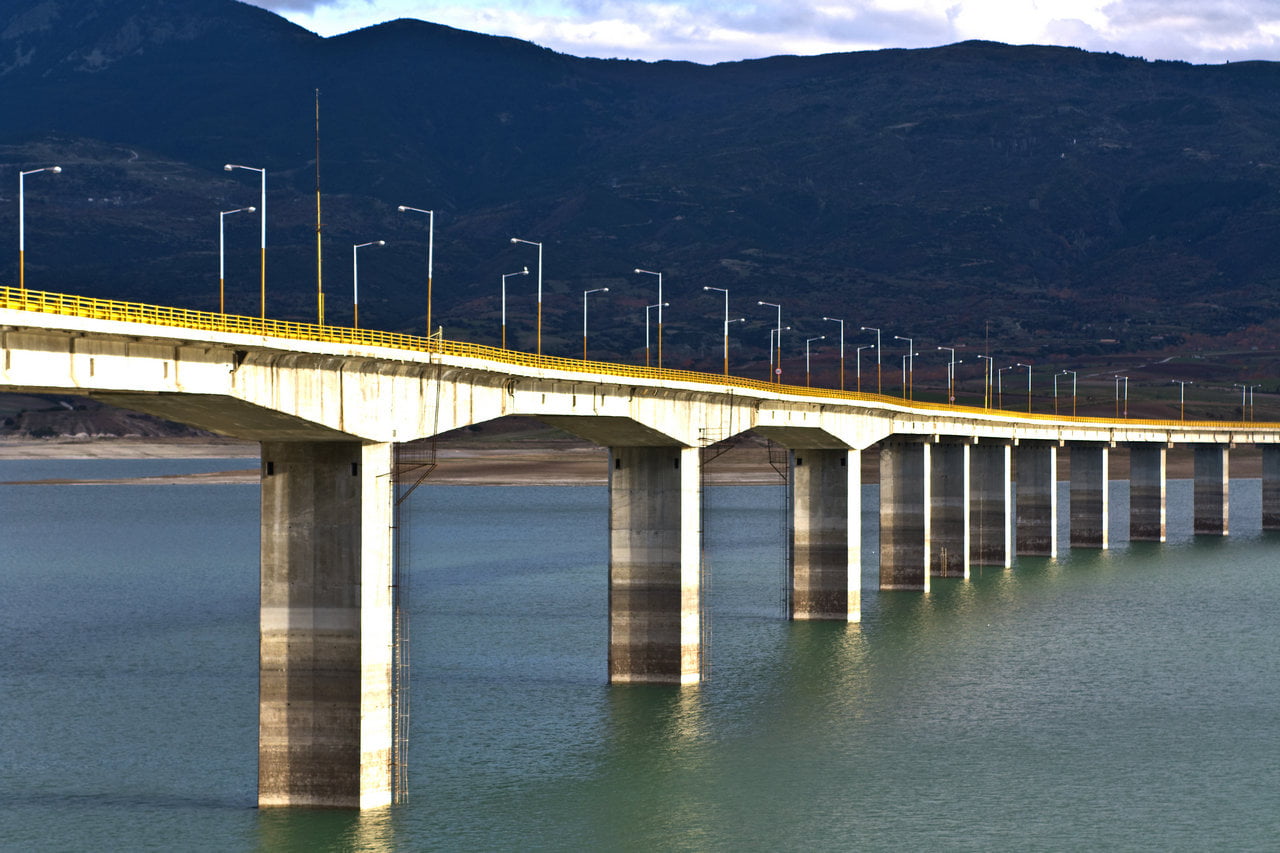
(709, 31)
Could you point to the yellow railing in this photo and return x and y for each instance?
(159, 315)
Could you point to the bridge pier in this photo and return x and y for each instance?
(1037, 500)
(826, 534)
(654, 565)
(949, 515)
(1148, 468)
(324, 708)
(1271, 487)
(1212, 472)
(904, 515)
(991, 509)
(1090, 502)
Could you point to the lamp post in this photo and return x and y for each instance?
(355, 279)
(1252, 411)
(262, 209)
(725, 291)
(505, 276)
(22, 222)
(585, 294)
(1182, 399)
(987, 380)
(841, 322)
(776, 333)
(879, 387)
(222, 263)
(1244, 400)
(908, 389)
(1000, 386)
(906, 359)
(858, 360)
(1126, 396)
(647, 309)
(431, 251)
(539, 325)
(1073, 391)
(777, 376)
(1028, 367)
(808, 341)
(951, 375)
(660, 305)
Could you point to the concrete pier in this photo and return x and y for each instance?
(1270, 487)
(826, 534)
(324, 713)
(1090, 499)
(1211, 487)
(991, 507)
(949, 514)
(654, 568)
(904, 515)
(1037, 499)
(1147, 492)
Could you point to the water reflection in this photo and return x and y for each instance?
(284, 830)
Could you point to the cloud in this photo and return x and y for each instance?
(719, 30)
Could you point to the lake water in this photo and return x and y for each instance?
(1127, 699)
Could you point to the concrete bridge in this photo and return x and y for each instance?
(330, 406)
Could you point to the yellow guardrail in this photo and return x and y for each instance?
(210, 321)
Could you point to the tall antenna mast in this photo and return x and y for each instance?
(319, 253)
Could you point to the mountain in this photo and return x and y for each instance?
(1061, 204)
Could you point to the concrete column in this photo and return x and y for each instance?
(991, 510)
(654, 565)
(1147, 478)
(1090, 502)
(1271, 487)
(949, 513)
(826, 534)
(324, 712)
(1212, 477)
(904, 515)
(1037, 503)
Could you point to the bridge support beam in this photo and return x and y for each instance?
(654, 565)
(1211, 487)
(324, 712)
(1271, 487)
(826, 534)
(904, 515)
(991, 509)
(1037, 501)
(949, 515)
(1148, 469)
(1090, 502)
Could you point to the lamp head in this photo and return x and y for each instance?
(381, 243)
(251, 210)
(524, 271)
(402, 208)
(639, 270)
(515, 240)
(228, 167)
(55, 169)
(604, 290)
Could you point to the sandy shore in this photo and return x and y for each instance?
(521, 463)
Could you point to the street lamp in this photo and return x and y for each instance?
(1126, 395)
(647, 309)
(776, 333)
(806, 356)
(725, 291)
(505, 276)
(1000, 386)
(1182, 401)
(431, 251)
(539, 245)
(222, 265)
(22, 222)
(951, 375)
(660, 305)
(355, 279)
(1073, 390)
(988, 380)
(841, 322)
(908, 358)
(879, 387)
(262, 210)
(585, 294)
(1252, 411)
(778, 374)
(1028, 367)
(908, 386)
(858, 360)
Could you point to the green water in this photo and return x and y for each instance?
(1119, 700)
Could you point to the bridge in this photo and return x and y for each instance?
(333, 409)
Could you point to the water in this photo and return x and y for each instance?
(1124, 699)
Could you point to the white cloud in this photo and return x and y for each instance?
(718, 30)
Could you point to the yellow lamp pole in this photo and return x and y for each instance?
(355, 279)
(22, 222)
(431, 251)
(222, 260)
